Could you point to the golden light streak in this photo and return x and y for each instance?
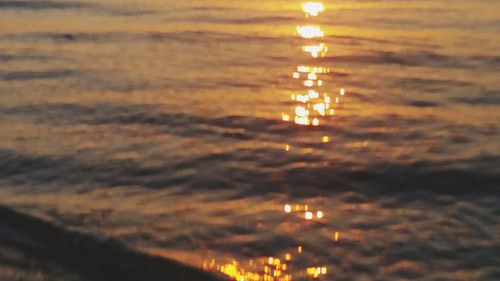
(310, 69)
(315, 272)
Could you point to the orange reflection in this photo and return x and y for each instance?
(311, 69)
(312, 106)
(270, 269)
(316, 50)
(304, 211)
(315, 272)
(336, 237)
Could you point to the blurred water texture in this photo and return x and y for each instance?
(356, 141)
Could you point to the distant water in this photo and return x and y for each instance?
(359, 144)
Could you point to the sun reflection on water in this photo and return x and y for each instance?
(310, 108)
(310, 31)
(277, 268)
(315, 103)
(312, 8)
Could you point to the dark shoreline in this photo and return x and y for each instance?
(85, 256)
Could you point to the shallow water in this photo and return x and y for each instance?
(202, 130)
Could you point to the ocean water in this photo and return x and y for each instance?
(258, 139)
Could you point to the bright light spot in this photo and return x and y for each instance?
(296, 75)
(316, 271)
(309, 83)
(285, 117)
(336, 100)
(320, 108)
(342, 92)
(320, 83)
(299, 249)
(288, 208)
(332, 111)
(315, 50)
(270, 260)
(287, 147)
(303, 98)
(313, 94)
(313, 8)
(302, 120)
(309, 69)
(312, 76)
(310, 31)
(326, 139)
(308, 215)
(336, 236)
(319, 214)
(327, 99)
(315, 122)
(288, 257)
(301, 111)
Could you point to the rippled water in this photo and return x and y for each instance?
(208, 132)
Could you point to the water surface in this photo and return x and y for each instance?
(213, 132)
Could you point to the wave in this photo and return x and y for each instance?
(31, 75)
(88, 257)
(251, 167)
(419, 58)
(72, 5)
(42, 5)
